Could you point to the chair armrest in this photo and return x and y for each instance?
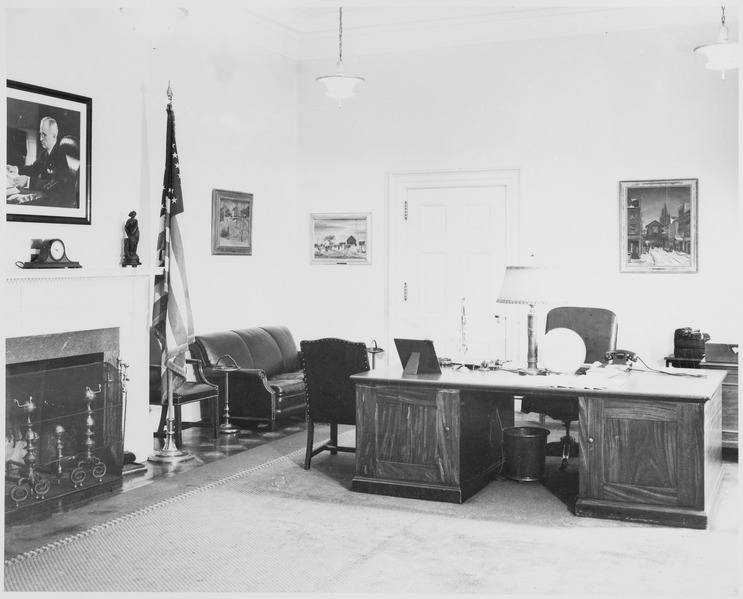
(198, 368)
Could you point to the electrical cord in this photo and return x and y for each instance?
(669, 373)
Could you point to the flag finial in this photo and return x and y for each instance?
(170, 94)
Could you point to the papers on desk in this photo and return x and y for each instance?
(609, 378)
(577, 381)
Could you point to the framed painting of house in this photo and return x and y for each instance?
(658, 225)
(232, 222)
(48, 166)
(340, 238)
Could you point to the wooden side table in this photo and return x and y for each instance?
(729, 394)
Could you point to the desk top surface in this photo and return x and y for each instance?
(637, 384)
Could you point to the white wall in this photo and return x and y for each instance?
(236, 127)
(576, 116)
(235, 108)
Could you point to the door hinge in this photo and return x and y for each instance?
(406, 210)
(405, 292)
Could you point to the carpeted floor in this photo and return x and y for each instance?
(258, 522)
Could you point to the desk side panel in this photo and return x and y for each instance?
(712, 450)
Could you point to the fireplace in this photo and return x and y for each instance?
(64, 416)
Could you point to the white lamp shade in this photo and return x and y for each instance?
(340, 86)
(722, 55)
(562, 351)
(529, 285)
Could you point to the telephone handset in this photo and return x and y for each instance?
(620, 356)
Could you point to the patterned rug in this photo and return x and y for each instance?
(275, 527)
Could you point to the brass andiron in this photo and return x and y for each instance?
(98, 468)
(28, 480)
(77, 474)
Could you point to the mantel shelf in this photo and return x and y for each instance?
(52, 274)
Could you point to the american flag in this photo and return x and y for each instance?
(172, 322)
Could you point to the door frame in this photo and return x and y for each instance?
(399, 183)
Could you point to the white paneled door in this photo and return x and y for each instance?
(451, 236)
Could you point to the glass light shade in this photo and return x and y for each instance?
(562, 351)
(528, 285)
(722, 55)
(340, 86)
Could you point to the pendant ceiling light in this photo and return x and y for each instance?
(722, 55)
(340, 86)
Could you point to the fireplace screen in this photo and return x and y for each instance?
(63, 427)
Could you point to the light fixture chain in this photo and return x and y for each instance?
(340, 34)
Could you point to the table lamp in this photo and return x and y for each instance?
(529, 285)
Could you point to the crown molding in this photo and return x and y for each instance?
(312, 33)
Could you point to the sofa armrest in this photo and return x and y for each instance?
(243, 381)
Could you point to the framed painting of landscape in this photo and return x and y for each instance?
(232, 222)
(340, 238)
(658, 225)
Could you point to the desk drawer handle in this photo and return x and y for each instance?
(590, 439)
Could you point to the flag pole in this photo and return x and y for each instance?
(170, 453)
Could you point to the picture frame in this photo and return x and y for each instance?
(659, 226)
(48, 185)
(340, 238)
(232, 222)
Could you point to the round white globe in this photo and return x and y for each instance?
(562, 351)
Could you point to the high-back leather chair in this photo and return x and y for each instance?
(331, 395)
(198, 390)
(598, 329)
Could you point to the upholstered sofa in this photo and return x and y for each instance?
(268, 384)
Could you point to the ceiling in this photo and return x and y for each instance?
(311, 32)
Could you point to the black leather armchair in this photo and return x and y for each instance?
(331, 395)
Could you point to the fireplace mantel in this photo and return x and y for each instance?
(20, 276)
(50, 301)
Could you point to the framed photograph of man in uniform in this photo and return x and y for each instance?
(48, 166)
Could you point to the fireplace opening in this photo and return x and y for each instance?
(64, 427)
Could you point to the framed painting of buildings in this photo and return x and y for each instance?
(340, 238)
(48, 171)
(232, 222)
(659, 225)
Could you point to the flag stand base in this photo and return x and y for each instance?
(170, 452)
(171, 456)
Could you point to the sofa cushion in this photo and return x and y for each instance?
(265, 352)
(289, 383)
(287, 346)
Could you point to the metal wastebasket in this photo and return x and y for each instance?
(524, 448)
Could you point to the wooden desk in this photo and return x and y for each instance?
(729, 394)
(650, 448)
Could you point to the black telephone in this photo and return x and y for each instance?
(620, 356)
